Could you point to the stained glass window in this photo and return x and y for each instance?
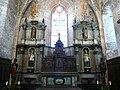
(59, 25)
(109, 30)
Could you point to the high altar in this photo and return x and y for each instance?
(60, 66)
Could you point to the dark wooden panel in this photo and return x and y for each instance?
(114, 73)
(4, 71)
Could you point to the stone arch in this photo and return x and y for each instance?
(65, 3)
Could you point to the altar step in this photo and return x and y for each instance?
(60, 88)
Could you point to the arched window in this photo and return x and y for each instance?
(59, 25)
(109, 31)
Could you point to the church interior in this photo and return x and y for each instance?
(59, 44)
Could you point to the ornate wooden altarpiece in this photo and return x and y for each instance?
(59, 69)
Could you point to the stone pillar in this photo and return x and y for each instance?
(16, 37)
(102, 39)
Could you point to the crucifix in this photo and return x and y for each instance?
(58, 36)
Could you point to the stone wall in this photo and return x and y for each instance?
(71, 17)
(7, 27)
(3, 10)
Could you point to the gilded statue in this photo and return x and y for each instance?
(34, 8)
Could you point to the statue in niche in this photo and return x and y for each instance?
(84, 33)
(33, 32)
(86, 58)
(31, 58)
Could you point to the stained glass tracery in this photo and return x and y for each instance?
(59, 25)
